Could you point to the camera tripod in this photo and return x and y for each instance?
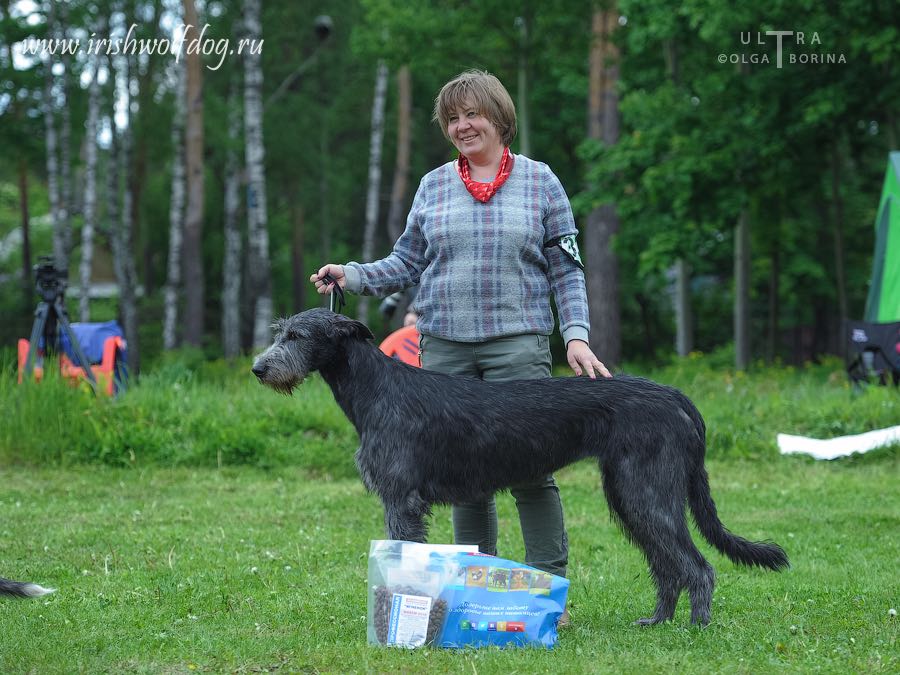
(49, 318)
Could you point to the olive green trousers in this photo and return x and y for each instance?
(516, 357)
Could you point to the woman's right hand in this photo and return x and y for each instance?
(336, 271)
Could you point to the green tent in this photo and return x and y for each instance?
(883, 304)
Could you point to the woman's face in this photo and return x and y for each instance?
(473, 134)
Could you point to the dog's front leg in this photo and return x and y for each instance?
(404, 518)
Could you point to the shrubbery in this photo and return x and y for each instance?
(188, 411)
(206, 415)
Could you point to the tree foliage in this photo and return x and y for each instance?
(800, 149)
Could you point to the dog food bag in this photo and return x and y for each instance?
(453, 596)
(405, 583)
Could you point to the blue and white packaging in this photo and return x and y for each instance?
(450, 596)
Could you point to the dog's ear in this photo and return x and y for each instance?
(345, 328)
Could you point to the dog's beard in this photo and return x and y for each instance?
(282, 381)
(285, 387)
(279, 371)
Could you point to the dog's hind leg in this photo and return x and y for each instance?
(668, 588)
(662, 568)
(653, 516)
(404, 519)
(676, 564)
(700, 589)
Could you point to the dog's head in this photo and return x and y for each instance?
(305, 343)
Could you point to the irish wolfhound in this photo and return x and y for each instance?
(428, 438)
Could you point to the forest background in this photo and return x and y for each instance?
(725, 199)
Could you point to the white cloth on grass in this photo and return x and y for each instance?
(841, 446)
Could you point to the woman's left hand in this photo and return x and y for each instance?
(582, 359)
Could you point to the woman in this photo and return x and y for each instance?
(489, 237)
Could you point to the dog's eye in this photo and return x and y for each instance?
(295, 335)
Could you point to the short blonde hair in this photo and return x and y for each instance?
(486, 94)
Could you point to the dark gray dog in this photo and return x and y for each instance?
(21, 589)
(428, 438)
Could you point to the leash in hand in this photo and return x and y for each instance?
(337, 301)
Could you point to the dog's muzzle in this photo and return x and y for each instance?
(272, 372)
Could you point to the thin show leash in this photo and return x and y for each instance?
(336, 301)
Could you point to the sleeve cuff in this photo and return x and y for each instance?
(352, 277)
(572, 333)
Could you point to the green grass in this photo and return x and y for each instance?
(244, 570)
(203, 523)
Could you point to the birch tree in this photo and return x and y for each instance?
(60, 254)
(113, 190)
(12, 136)
(120, 215)
(90, 192)
(26, 229)
(174, 261)
(65, 151)
(193, 224)
(603, 222)
(260, 279)
(372, 194)
(231, 264)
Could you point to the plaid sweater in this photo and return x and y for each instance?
(483, 269)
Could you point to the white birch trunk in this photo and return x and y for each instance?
(59, 254)
(65, 172)
(372, 194)
(55, 181)
(192, 251)
(260, 285)
(231, 265)
(90, 194)
(176, 216)
(121, 230)
(112, 192)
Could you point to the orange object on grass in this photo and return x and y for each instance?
(403, 345)
(104, 372)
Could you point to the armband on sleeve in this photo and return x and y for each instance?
(569, 245)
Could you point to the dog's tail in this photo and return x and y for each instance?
(21, 589)
(760, 553)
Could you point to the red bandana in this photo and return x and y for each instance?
(484, 191)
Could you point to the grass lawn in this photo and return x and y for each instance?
(245, 570)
